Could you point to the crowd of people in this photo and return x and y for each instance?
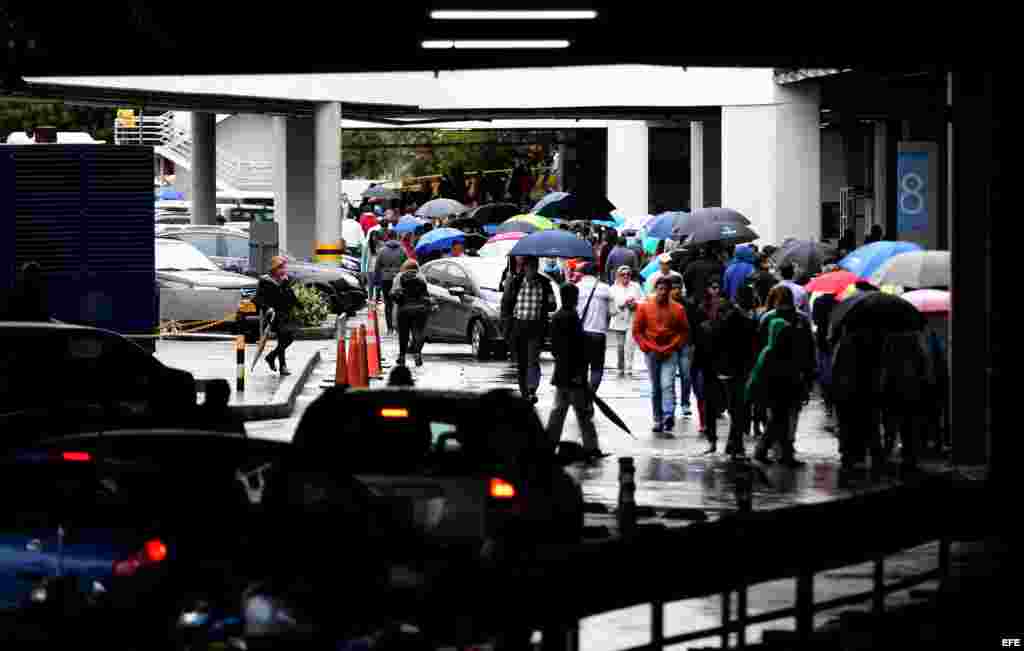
(741, 335)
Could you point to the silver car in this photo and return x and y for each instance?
(192, 287)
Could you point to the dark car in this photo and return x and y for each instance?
(229, 249)
(133, 533)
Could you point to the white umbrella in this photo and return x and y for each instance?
(915, 269)
(440, 208)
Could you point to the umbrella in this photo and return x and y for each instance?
(439, 239)
(876, 311)
(525, 223)
(440, 208)
(578, 206)
(689, 223)
(493, 213)
(490, 229)
(170, 194)
(834, 282)
(380, 192)
(475, 241)
(553, 244)
(915, 269)
(867, 259)
(660, 227)
(548, 198)
(726, 233)
(929, 300)
(807, 254)
(408, 224)
(651, 267)
(605, 409)
(501, 237)
(637, 223)
(264, 337)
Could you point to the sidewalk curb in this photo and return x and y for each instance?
(283, 403)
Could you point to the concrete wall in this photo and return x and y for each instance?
(748, 166)
(628, 160)
(250, 137)
(294, 187)
(798, 171)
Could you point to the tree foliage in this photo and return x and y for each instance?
(22, 116)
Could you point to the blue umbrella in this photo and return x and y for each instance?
(408, 224)
(651, 267)
(439, 239)
(490, 229)
(170, 194)
(552, 244)
(660, 227)
(868, 259)
(548, 198)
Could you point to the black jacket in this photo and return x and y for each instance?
(805, 357)
(821, 314)
(389, 262)
(732, 350)
(762, 281)
(276, 295)
(567, 346)
(410, 290)
(699, 274)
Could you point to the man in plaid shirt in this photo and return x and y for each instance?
(528, 301)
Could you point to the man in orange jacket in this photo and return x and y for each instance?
(661, 330)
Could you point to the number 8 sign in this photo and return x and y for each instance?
(912, 205)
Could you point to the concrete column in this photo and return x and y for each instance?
(327, 127)
(294, 187)
(696, 165)
(771, 165)
(628, 165)
(880, 182)
(563, 152)
(204, 168)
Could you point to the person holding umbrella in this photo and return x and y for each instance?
(527, 302)
(275, 292)
(571, 374)
(661, 330)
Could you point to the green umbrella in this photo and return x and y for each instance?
(525, 223)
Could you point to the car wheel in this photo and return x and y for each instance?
(478, 339)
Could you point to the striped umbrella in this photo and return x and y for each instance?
(525, 223)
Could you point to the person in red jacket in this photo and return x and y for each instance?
(661, 330)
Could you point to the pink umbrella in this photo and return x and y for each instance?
(501, 237)
(929, 300)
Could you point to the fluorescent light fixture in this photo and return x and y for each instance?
(545, 14)
(494, 45)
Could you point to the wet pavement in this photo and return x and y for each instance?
(669, 473)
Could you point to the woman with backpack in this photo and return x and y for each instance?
(776, 383)
(410, 293)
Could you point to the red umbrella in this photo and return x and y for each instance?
(368, 220)
(834, 282)
(501, 237)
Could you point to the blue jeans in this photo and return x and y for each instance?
(684, 374)
(663, 385)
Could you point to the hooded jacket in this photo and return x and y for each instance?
(740, 268)
(804, 354)
(389, 262)
(700, 273)
(732, 350)
(775, 377)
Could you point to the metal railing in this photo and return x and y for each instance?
(839, 534)
(162, 131)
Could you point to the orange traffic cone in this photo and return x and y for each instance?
(353, 359)
(364, 362)
(341, 367)
(373, 348)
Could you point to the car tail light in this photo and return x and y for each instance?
(153, 551)
(394, 412)
(501, 489)
(76, 456)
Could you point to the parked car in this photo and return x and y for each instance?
(182, 267)
(135, 535)
(467, 293)
(228, 248)
(48, 365)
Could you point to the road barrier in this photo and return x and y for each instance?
(796, 542)
(364, 362)
(375, 363)
(341, 364)
(240, 361)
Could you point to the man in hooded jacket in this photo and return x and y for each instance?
(390, 258)
(740, 268)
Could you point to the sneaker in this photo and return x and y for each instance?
(272, 364)
(657, 429)
(284, 371)
(533, 397)
(670, 424)
(419, 359)
(686, 411)
(712, 449)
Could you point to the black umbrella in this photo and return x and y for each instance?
(726, 233)
(606, 410)
(474, 241)
(464, 223)
(875, 311)
(576, 206)
(494, 213)
(686, 224)
(807, 254)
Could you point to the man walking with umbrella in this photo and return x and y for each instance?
(274, 292)
(528, 300)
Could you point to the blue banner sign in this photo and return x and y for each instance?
(912, 205)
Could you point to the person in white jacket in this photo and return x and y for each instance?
(626, 294)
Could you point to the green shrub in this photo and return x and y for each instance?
(312, 309)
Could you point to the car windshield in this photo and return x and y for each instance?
(173, 255)
(237, 247)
